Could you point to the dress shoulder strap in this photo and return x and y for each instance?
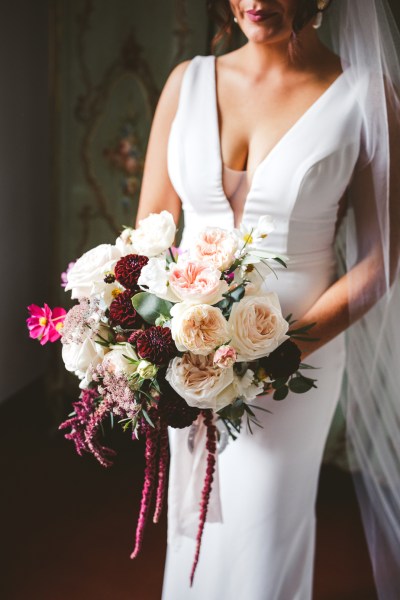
(194, 96)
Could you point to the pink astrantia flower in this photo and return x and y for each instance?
(45, 324)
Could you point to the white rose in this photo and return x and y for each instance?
(257, 326)
(199, 328)
(119, 360)
(83, 358)
(86, 277)
(201, 383)
(154, 235)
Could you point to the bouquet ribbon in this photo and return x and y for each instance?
(186, 478)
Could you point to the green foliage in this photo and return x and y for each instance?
(150, 307)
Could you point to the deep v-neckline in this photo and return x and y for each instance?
(274, 148)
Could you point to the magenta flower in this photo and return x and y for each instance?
(64, 275)
(45, 324)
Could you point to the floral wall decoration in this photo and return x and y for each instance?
(112, 60)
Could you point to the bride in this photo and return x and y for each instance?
(303, 130)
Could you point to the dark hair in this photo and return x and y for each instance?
(220, 12)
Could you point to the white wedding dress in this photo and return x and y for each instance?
(267, 481)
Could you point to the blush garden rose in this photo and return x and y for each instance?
(198, 328)
(200, 382)
(257, 326)
(216, 247)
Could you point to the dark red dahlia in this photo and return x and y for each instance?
(156, 345)
(282, 362)
(128, 268)
(174, 410)
(122, 312)
(134, 336)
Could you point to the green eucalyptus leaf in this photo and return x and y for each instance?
(278, 383)
(150, 307)
(238, 293)
(300, 385)
(281, 393)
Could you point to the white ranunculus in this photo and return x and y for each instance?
(154, 235)
(124, 242)
(83, 358)
(198, 328)
(119, 360)
(154, 277)
(201, 383)
(245, 387)
(86, 277)
(257, 326)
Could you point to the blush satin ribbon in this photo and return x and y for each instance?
(186, 480)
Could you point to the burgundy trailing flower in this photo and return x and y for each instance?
(128, 268)
(174, 410)
(84, 409)
(163, 460)
(102, 453)
(152, 436)
(85, 426)
(211, 446)
(122, 312)
(282, 362)
(156, 345)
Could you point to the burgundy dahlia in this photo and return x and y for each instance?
(128, 268)
(156, 345)
(122, 312)
(174, 410)
(134, 336)
(282, 362)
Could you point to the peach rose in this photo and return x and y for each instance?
(199, 328)
(225, 357)
(196, 282)
(257, 325)
(216, 247)
(201, 383)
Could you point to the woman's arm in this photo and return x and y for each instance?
(157, 192)
(351, 296)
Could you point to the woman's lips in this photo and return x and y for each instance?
(258, 15)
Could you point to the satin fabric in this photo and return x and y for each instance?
(258, 541)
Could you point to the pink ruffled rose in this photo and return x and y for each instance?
(215, 246)
(225, 357)
(45, 324)
(196, 282)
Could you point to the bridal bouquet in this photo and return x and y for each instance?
(161, 337)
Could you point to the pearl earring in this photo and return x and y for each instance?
(321, 5)
(318, 20)
(235, 19)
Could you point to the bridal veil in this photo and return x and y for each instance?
(364, 34)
